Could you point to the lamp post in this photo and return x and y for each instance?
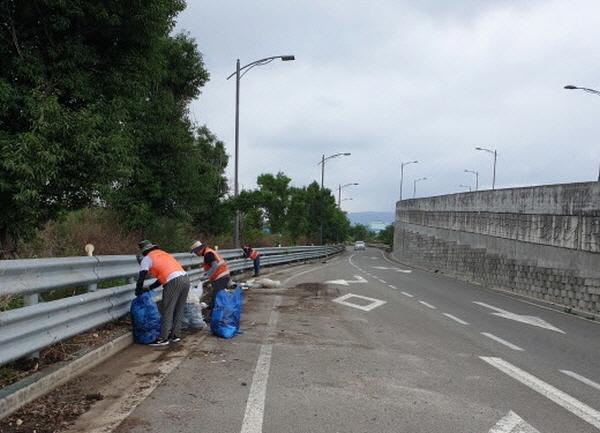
(402, 174)
(466, 186)
(415, 185)
(340, 188)
(322, 163)
(238, 75)
(495, 153)
(593, 92)
(326, 158)
(476, 173)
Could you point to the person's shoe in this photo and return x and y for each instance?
(159, 343)
(175, 339)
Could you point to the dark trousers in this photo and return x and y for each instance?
(217, 286)
(174, 296)
(257, 266)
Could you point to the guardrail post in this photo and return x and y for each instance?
(28, 300)
(89, 249)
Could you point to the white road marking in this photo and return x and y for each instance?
(576, 407)
(385, 268)
(581, 379)
(382, 281)
(391, 286)
(501, 341)
(456, 319)
(309, 270)
(255, 406)
(343, 300)
(530, 320)
(253, 418)
(359, 280)
(428, 305)
(407, 294)
(512, 423)
(373, 258)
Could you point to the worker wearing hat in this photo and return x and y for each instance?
(215, 267)
(176, 285)
(252, 254)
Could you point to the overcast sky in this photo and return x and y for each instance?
(394, 80)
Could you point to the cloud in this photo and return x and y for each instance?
(399, 80)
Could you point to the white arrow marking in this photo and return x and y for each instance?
(530, 320)
(359, 280)
(512, 423)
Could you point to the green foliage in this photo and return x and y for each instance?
(275, 198)
(360, 232)
(387, 235)
(93, 110)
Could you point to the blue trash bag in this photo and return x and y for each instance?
(225, 317)
(145, 318)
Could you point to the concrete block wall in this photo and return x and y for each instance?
(542, 242)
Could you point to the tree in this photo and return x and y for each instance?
(81, 83)
(387, 235)
(360, 232)
(275, 193)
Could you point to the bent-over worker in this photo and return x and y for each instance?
(253, 255)
(215, 267)
(176, 285)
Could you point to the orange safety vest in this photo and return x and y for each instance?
(163, 265)
(222, 269)
(254, 254)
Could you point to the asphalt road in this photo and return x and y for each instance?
(424, 353)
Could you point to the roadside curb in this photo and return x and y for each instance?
(25, 391)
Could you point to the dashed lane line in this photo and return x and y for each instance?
(502, 341)
(407, 294)
(576, 407)
(391, 286)
(456, 319)
(428, 305)
(255, 406)
(581, 379)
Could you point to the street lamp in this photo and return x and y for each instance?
(346, 199)
(325, 158)
(585, 89)
(402, 174)
(476, 173)
(340, 188)
(495, 153)
(466, 186)
(415, 185)
(238, 75)
(593, 92)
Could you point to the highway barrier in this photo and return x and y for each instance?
(37, 325)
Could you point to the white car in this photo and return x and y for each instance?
(359, 245)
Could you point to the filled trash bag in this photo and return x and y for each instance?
(192, 314)
(225, 317)
(145, 318)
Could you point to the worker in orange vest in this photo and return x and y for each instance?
(176, 285)
(215, 267)
(253, 255)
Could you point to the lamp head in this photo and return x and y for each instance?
(288, 58)
(571, 87)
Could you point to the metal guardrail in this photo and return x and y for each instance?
(39, 325)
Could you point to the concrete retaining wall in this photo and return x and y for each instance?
(542, 242)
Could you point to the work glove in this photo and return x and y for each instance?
(141, 290)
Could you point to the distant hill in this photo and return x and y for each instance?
(367, 218)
